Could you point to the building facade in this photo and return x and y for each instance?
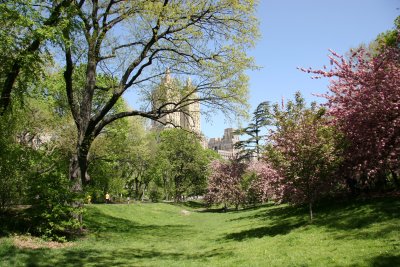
(165, 97)
(225, 146)
(188, 118)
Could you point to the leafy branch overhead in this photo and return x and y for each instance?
(134, 42)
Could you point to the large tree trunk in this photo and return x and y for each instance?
(179, 190)
(78, 176)
(76, 187)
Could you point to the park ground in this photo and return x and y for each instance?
(356, 233)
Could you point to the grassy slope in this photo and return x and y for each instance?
(358, 234)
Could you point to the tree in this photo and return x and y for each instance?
(143, 165)
(35, 145)
(118, 159)
(27, 24)
(387, 39)
(237, 183)
(183, 162)
(225, 183)
(364, 101)
(263, 182)
(135, 42)
(12, 180)
(305, 151)
(253, 145)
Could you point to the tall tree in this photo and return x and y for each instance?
(364, 101)
(136, 41)
(253, 144)
(263, 182)
(36, 145)
(387, 39)
(225, 183)
(118, 159)
(304, 150)
(186, 161)
(26, 26)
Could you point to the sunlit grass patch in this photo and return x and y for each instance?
(365, 233)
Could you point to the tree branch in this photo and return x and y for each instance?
(12, 75)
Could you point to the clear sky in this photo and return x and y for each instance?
(298, 33)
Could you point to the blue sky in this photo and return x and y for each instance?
(299, 34)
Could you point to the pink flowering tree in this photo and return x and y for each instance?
(224, 183)
(364, 103)
(263, 182)
(236, 183)
(305, 151)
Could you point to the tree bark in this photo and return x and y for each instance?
(136, 188)
(78, 176)
(165, 189)
(143, 191)
(395, 179)
(76, 187)
(352, 184)
(12, 75)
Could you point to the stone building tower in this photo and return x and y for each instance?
(190, 118)
(170, 91)
(225, 146)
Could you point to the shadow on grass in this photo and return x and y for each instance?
(106, 228)
(385, 261)
(193, 204)
(278, 229)
(233, 210)
(360, 214)
(347, 220)
(102, 224)
(14, 221)
(94, 257)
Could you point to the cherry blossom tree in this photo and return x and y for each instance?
(236, 183)
(364, 103)
(266, 183)
(224, 183)
(304, 151)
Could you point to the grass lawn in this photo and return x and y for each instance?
(363, 233)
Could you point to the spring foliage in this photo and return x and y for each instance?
(364, 103)
(305, 150)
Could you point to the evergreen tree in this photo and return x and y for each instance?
(252, 147)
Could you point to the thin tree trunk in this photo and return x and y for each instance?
(136, 188)
(257, 146)
(177, 189)
(165, 189)
(351, 183)
(144, 189)
(395, 179)
(311, 212)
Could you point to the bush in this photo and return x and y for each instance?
(155, 195)
(55, 210)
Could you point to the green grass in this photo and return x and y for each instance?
(366, 233)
